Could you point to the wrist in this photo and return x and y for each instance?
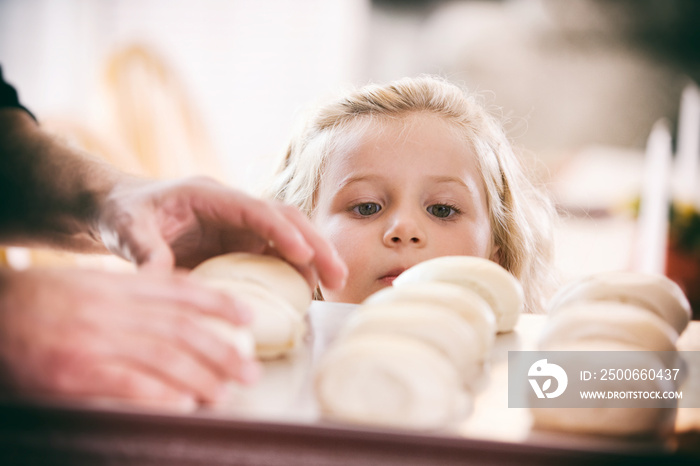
(55, 190)
(108, 201)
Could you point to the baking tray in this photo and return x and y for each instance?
(277, 422)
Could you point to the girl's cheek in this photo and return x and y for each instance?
(344, 241)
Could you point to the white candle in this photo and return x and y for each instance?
(686, 176)
(649, 254)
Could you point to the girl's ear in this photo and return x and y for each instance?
(496, 254)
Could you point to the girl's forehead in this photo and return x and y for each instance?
(415, 146)
(417, 134)
(405, 121)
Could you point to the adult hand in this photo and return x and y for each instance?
(137, 337)
(163, 224)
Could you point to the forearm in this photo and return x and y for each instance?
(49, 193)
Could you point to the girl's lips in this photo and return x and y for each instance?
(388, 279)
(390, 276)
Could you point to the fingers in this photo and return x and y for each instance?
(160, 258)
(183, 291)
(175, 311)
(330, 268)
(173, 308)
(132, 336)
(176, 369)
(236, 211)
(173, 364)
(137, 238)
(198, 213)
(186, 328)
(273, 226)
(124, 382)
(288, 231)
(147, 247)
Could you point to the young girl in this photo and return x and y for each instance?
(400, 173)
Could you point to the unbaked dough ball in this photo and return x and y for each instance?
(276, 293)
(609, 416)
(593, 321)
(433, 325)
(389, 380)
(655, 293)
(275, 275)
(277, 328)
(498, 287)
(464, 303)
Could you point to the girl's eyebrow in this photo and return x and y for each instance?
(439, 179)
(357, 178)
(452, 179)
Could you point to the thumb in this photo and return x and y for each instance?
(142, 242)
(159, 259)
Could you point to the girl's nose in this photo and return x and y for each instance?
(404, 230)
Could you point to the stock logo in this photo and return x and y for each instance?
(546, 371)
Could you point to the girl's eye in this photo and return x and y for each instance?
(367, 209)
(442, 211)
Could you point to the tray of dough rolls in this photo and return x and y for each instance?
(286, 393)
(278, 421)
(365, 384)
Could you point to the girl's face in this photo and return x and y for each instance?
(408, 191)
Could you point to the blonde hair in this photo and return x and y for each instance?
(520, 215)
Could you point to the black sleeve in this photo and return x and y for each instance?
(9, 97)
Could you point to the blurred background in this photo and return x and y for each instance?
(180, 87)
